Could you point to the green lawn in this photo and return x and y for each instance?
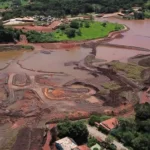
(96, 30)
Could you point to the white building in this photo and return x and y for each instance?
(65, 144)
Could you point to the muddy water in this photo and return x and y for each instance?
(138, 35)
(111, 53)
(55, 61)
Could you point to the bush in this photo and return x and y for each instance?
(87, 24)
(91, 141)
(70, 32)
(79, 32)
(104, 24)
(74, 24)
(94, 119)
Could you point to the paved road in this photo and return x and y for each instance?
(97, 134)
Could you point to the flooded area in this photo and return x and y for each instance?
(55, 61)
(121, 54)
(62, 60)
(138, 35)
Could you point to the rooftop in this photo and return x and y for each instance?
(66, 143)
(109, 124)
(83, 147)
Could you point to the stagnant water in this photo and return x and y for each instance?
(112, 53)
(138, 35)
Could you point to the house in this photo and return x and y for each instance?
(108, 124)
(65, 144)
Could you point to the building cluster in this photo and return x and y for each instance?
(39, 20)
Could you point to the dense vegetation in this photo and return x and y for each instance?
(76, 30)
(134, 133)
(8, 34)
(98, 119)
(75, 130)
(60, 8)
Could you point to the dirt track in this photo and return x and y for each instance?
(39, 28)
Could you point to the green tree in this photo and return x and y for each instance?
(141, 143)
(74, 24)
(75, 130)
(94, 119)
(128, 137)
(70, 32)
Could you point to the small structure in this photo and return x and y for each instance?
(96, 146)
(108, 124)
(65, 144)
(25, 19)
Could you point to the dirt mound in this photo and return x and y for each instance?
(66, 93)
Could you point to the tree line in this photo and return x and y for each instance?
(61, 8)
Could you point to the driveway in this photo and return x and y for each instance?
(97, 134)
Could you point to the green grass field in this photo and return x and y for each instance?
(96, 30)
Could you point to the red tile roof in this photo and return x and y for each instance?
(109, 124)
(83, 147)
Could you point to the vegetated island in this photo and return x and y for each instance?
(75, 31)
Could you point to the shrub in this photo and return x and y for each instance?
(87, 24)
(62, 27)
(79, 32)
(94, 119)
(74, 24)
(104, 24)
(70, 32)
(91, 141)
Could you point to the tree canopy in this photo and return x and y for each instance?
(75, 130)
(60, 8)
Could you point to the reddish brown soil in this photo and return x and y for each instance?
(39, 28)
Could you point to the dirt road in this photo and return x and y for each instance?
(97, 134)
